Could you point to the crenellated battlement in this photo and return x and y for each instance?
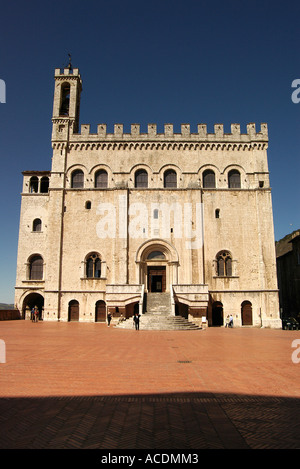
(201, 135)
(66, 72)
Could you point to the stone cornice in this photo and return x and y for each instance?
(147, 145)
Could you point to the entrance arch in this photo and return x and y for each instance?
(30, 301)
(100, 311)
(217, 314)
(73, 312)
(157, 263)
(246, 311)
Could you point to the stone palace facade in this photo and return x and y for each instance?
(122, 215)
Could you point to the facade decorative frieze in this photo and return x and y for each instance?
(115, 145)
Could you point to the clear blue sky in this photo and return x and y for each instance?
(141, 62)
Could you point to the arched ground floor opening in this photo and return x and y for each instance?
(217, 314)
(73, 311)
(246, 313)
(31, 301)
(100, 311)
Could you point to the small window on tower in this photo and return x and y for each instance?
(37, 225)
(44, 185)
(34, 185)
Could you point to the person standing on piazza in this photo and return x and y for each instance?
(109, 318)
(136, 319)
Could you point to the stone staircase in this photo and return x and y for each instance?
(158, 316)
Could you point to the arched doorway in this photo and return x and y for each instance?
(217, 314)
(157, 262)
(30, 301)
(156, 273)
(73, 313)
(246, 311)
(156, 279)
(100, 311)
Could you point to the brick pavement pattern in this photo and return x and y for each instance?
(72, 385)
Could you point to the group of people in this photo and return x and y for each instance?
(136, 320)
(35, 314)
(229, 321)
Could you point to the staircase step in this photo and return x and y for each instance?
(149, 321)
(158, 316)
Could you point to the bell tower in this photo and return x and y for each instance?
(66, 103)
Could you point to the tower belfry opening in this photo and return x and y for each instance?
(65, 100)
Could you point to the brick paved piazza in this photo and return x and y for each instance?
(72, 385)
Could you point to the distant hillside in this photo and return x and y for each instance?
(6, 306)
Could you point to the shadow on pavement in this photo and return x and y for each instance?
(163, 421)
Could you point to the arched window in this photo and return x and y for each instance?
(34, 185)
(209, 180)
(155, 213)
(36, 268)
(65, 100)
(224, 264)
(101, 179)
(37, 225)
(88, 205)
(156, 255)
(141, 178)
(44, 185)
(234, 179)
(93, 266)
(170, 179)
(77, 180)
